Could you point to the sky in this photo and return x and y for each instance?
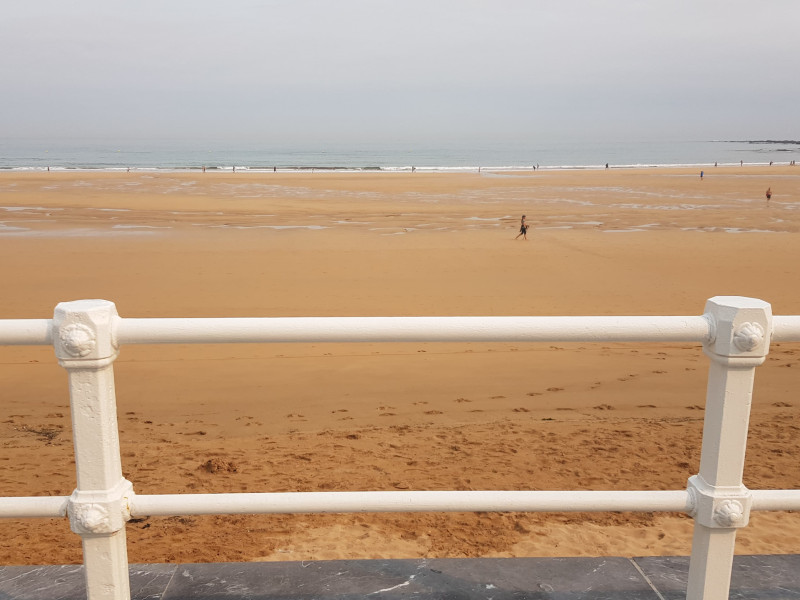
(370, 70)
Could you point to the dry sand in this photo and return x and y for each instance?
(257, 418)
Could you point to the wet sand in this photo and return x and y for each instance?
(257, 418)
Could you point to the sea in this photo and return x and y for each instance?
(171, 155)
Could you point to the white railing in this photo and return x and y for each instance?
(735, 333)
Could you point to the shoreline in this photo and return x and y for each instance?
(378, 169)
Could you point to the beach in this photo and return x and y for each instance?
(331, 417)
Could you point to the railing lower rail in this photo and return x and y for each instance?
(735, 333)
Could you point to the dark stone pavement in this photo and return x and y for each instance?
(770, 577)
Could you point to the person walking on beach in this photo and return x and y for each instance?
(769, 193)
(523, 229)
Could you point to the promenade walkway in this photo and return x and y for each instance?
(774, 577)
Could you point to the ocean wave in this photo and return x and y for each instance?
(488, 170)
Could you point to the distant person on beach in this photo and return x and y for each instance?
(523, 229)
(701, 174)
(769, 193)
(606, 165)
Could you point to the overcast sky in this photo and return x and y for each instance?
(364, 70)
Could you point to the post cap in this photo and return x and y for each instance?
(742, 326)
(83, 330)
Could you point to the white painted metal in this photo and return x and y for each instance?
(26, 507)
(410, 501)
(31, 332)
(735, 332)
(413, 329)
(786, 328)
(29, 507)
(775, 499)
(721, 502)
(98, 507)
(38, 332)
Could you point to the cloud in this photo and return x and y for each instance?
(367, 68)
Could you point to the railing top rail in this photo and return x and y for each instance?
(413, 329)
(698, 329)
(380, 329)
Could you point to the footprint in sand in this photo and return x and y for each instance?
(461, 400)
(521, 409)
(555, 389)
(603, 407)
(534, 394)
(497, 397)
(695, 407)
(433, 412)
(781, 404)
(645, 406)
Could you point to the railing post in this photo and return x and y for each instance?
(720, 502)
(98, 509)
